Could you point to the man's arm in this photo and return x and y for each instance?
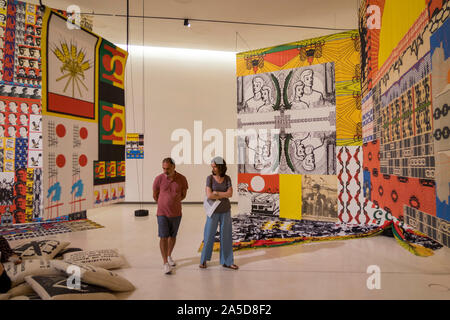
(156, 195)
(156, 189)
(184, 190)
(183, 194)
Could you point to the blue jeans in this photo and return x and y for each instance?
(226, 239)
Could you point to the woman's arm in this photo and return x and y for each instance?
(212, 195)
(216, 195)
(226, 194)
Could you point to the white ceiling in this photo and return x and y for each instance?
(338, 15)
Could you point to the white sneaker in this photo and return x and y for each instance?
(171, 262)
(167, 269)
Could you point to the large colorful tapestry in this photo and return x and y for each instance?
(21, 150)
(405, 76)
(49, 125)
(84, 119)
(299, 111)
(319, 160)
(300, 146)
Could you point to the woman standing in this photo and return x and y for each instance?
(218, 187)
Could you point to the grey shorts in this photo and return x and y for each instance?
(168, 227)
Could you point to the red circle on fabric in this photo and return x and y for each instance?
(60, 130)
(60, 161)
(83, 133)
(83, 160)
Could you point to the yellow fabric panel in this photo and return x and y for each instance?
(341, 48)
(397, 18)
(242, 70)
(345, 58)
(341, 52)
(332, 37)
(291, 196)
(348, 121)
(350, 87)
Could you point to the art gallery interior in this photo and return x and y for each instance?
(331, 116)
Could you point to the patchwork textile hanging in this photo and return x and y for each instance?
(405, 95)
(344, 136)
(62, 118)
(84, 116)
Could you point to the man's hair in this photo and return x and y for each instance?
(316, 186)
(169, 160)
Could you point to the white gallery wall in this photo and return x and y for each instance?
(168, 89)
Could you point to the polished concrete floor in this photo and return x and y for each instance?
(327, 270)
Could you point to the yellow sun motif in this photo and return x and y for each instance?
(73, 66)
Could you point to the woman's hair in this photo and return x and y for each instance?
(221, 165)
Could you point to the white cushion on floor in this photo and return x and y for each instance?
(27, 297)
(55, 288)
(45, 249)
(18, 272)
(22, 289)
(4, 296)
(96, 276)
(104, 258)
(61, 254)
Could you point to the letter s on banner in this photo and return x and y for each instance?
(73, 17)
(374, 281)
(374, 17)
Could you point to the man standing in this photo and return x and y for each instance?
(169, 189)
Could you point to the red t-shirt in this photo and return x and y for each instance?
(170, 191)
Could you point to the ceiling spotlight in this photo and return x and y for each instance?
(187, 23)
